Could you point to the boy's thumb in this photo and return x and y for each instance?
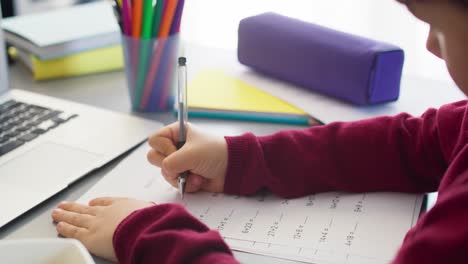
(179, 161)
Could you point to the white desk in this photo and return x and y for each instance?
(108, 90)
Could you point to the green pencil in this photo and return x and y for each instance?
(147, 22)
(158, 12)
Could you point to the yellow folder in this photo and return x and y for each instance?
(216, 94)
(91, 61)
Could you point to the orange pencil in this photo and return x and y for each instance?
(136, 17)
(166, 22)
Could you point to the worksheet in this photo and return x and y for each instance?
(327, 228)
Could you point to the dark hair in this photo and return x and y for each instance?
(463, 3)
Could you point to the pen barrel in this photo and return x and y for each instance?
(182, 114)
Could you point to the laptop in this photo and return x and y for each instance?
(47, 143)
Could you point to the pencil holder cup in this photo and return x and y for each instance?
(151, 69)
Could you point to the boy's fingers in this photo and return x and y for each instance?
(194, 183)
(104, 201)
(170, 178)
(169, 175)
(71, 231)
(170, 131)
(182, 160)
(77, 208)
(76, 219)
(163, 145)
(155, 157)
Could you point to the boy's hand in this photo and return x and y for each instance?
(204, 156)
(94, 224)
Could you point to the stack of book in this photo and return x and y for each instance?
(65, 42)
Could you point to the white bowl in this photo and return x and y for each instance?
(44, 251)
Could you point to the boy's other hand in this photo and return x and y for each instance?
(94, 224)
(203, 156)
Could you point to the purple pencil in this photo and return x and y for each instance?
(175, 26)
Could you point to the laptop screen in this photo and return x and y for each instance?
(3, 61)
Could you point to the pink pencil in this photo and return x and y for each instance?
(127, 19)
(152, 73)
(169, 77)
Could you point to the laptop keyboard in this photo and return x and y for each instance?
(21, 123)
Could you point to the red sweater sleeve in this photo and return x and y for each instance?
(167, 233)
(399, 153)
(441, 235)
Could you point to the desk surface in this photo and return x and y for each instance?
(108, 90)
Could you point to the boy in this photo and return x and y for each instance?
(400, 153)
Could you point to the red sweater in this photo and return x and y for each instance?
(400, 153)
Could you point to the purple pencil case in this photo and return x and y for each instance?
(355, 69)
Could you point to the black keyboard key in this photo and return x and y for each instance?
(7, 105)
(28, 137)
(6, 128)
(23, 128)
(19, 110)
(49, 115)
(11, 134)
(58, 120)
(3, 140)
(37, 107)
(33, 123)
(35, 111)
(15, 122)
(11, 108)
(4, 119)
(38, 131)
(9, 146)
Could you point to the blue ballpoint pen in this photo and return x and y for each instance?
(182, 115)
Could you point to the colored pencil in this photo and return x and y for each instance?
(166, 22)
(127, 19)
(155, 91)
(168, 17)
(254, 116)
(168, 76)
(157, 54)
(151, 89)
(162, 75)
(175, 27)
(158, 13)
(136, 18)
(152, 74)
(145, 47)
(146, 27)
(173, 46)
